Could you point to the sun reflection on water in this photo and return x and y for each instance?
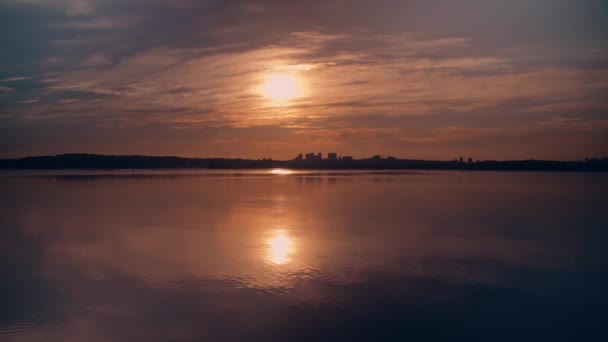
(281, 172)
(280, 247)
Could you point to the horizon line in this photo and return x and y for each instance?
(375, 156)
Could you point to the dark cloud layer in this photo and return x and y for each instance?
(419, 79)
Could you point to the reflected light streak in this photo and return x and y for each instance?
(281, 172)
(280, 247)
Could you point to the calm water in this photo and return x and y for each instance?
(252, 255)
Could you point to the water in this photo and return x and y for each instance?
(253, 255)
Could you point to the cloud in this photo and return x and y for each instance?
(96, 60)
(68, 42)
(67, 101)
(5, 89)
(98, 23)
(29, 101)
(16, 78)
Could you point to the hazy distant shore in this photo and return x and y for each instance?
(94, 161)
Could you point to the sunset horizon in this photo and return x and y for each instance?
(426, 80)
(320, 170)
(228, 155)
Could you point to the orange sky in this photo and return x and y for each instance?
(487, 79)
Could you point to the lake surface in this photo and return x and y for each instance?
(262, 256)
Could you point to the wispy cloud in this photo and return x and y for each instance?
(96, 60)
(16, 78)
(98, 23)
(29, 101)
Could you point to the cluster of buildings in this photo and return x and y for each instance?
(331, 156)
(461, 160)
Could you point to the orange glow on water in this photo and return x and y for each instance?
(280, 247)
(281, 172)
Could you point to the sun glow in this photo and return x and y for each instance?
(281, 86)
(281, 172)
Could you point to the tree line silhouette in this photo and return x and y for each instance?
(95, 161)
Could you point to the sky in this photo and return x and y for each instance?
(432, 79)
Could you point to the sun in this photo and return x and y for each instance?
(281, 87)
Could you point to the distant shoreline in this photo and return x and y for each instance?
(117, 162)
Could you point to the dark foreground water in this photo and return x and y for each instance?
(251, 255)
